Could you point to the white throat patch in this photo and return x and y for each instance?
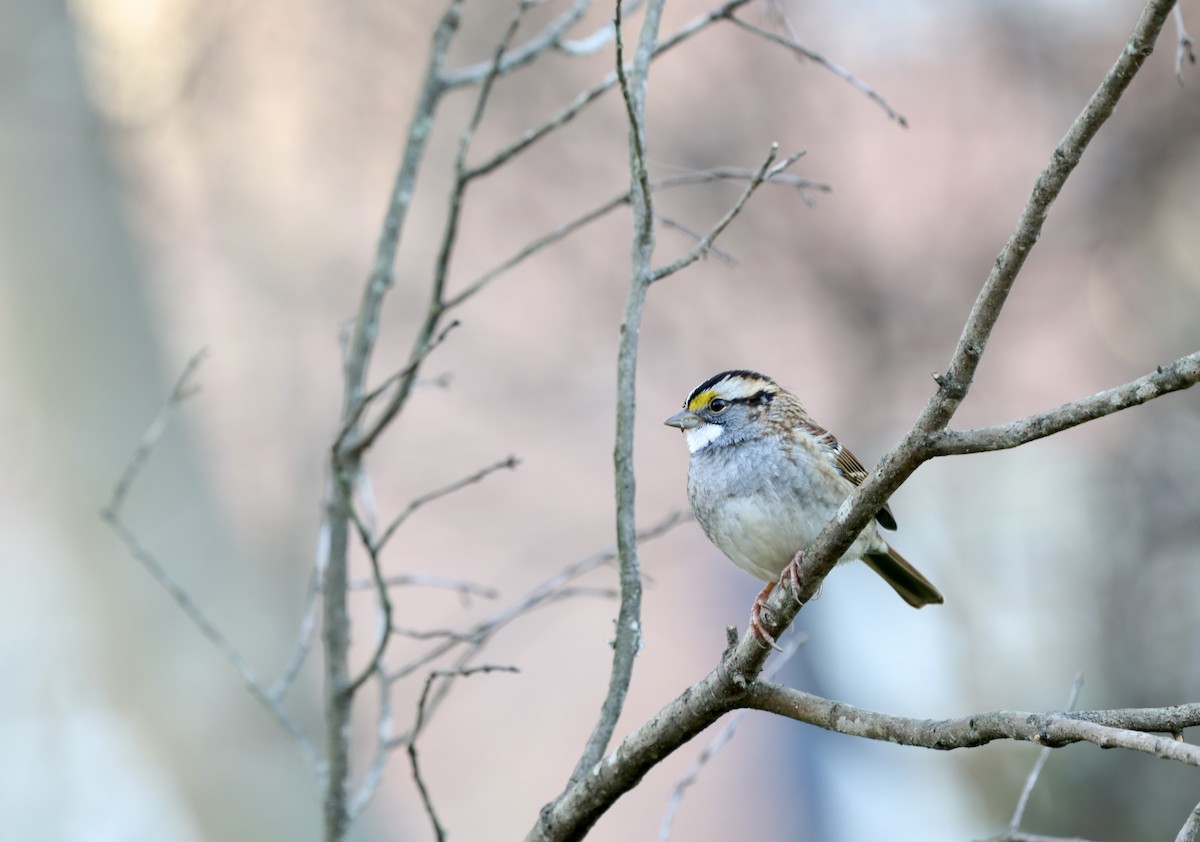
(702, 436)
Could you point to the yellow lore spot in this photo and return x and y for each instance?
(701, 400)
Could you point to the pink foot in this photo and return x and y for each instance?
(792, 573)
(756, 627)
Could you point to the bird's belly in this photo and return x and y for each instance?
(750, 532)
(761, 521)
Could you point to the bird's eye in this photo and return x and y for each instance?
(718, 405)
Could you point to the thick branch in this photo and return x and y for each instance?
(628, 638)
(346, 452)
(1147, 730)
(1190, 831)
(1181, 374)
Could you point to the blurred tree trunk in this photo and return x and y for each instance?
(100, 743)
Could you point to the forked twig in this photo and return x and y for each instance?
(446, 675)
(509, 463)
(271, 700)
(761, 175)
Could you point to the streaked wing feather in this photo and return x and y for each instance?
(847, 465)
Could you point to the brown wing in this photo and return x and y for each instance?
(847, 465)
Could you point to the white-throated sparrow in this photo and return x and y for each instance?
(764, 479)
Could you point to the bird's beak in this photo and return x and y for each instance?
(684, 420)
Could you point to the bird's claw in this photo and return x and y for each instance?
(765, 638)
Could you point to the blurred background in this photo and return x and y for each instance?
(177, 175)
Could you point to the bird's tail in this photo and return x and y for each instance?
(905, 579)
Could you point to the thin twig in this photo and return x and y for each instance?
(561, 232)
(667, 222)
(438, 831)
(1184, 48)
(463, 176)
(383, 734)
(383, 634)
(1014, 823)
(304, 638)
(593, 43)
(409, 370)
(701, 249)
(182, 390)
(464, 587)
(509, 463)
(585, 98)
(795, 46)
(542, 594)
(549, 38)
(374, 548)
(111, 514)
(432, 634)
(718, 742)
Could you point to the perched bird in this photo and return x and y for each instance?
(764, 479)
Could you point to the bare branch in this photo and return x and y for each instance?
(1014, 823)
(437, 305)
(366, 326)
(1190, 832)
(304, 638)
(594, 42)
(1009, 836)
(585, 98)
(549, 38)
(446, 675)
(761, 174)
(383, 734)
(799, 49)
(628, 638)
(182, 390)
(428, 580)
(718, 742)
(383, 635)
(1183, 373)
(1106, 728)
(805, 187)
(721, 255)
(346, 452)
(509, 463)
(547, 591)
(111, 514)
(401, 376)
(1184, 49)
(433, 634)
